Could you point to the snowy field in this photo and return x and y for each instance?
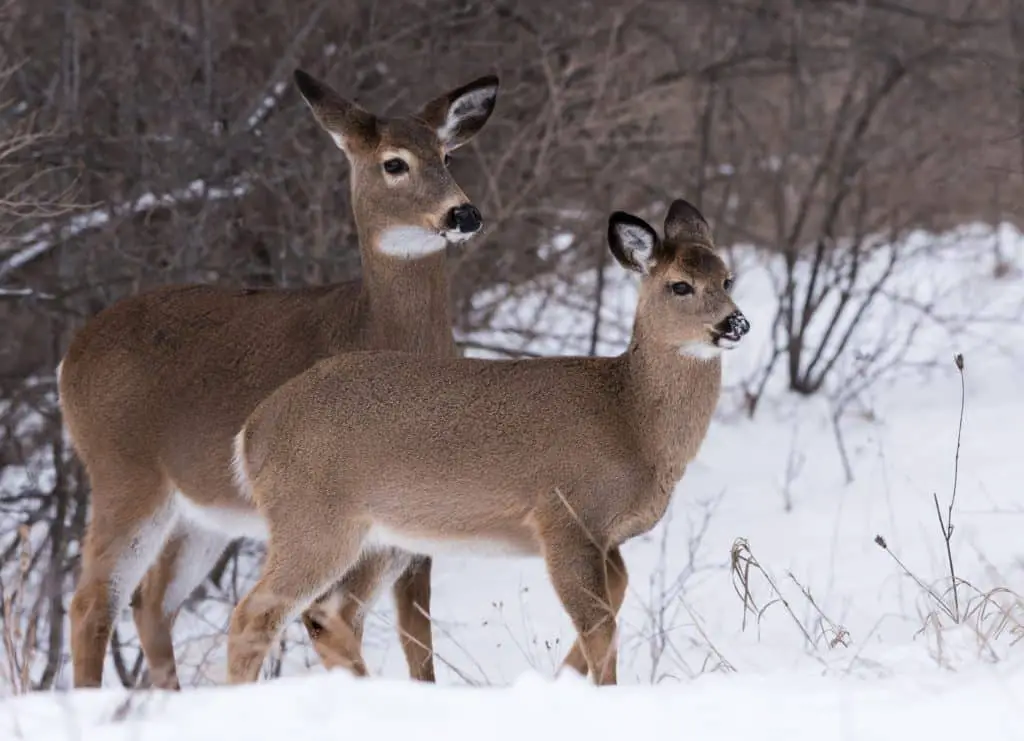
(787, 707)
(838, 639)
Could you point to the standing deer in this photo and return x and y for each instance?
(566, 458)
(154, 388)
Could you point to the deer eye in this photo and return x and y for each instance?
(447, 160)
(682, 288)
(727, 284)
(395, 166)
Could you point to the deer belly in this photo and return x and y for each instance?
(234, 522)
(491, 545)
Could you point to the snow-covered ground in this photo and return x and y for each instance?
(782, 707)
(858, 648)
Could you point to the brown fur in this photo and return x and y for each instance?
(154, 388)
(566, 458)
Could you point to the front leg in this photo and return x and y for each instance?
(617, 579)
(412, 603)
(578, 571)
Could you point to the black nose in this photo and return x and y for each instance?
(465, 218)
(736, 324)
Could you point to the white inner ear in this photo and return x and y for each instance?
(473, 103)
(410, 242)
(339, 140)
(638, 243)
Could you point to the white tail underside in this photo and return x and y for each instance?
(238, 469)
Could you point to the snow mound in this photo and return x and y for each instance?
(785, 707)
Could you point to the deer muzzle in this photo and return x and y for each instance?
(731, 330)
(464, 220)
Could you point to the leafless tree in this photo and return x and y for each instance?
(147, 141)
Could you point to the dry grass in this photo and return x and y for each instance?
(18, 629)
(994, 615)
(824, 632)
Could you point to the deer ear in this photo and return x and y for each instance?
(684, 222)
(632, 241)
(458, 115)
(349, 125)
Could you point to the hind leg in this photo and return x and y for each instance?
(348, 602)
(131, 518)
(295, 573)
(339, 615)
(182, 566)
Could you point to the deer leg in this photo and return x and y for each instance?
(350, 600)
(579, 575)
(335, 627)
(618, 579)
(117, 552)
(293, 576)
(183, 564)
(412, 603)
(342, 611)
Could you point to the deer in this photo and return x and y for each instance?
(154, 388)
(565, 458)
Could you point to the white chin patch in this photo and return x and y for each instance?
(700, 350)
(410, 242)
(456, 237)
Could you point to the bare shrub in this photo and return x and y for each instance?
(148, 143)
(820, 632)
(992, 614)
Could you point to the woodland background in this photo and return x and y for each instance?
(144, 142)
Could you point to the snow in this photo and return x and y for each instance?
(858, 649)
(266, 106)
(985, 705)
(36, 242)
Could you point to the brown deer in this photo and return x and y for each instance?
(154, 388)
(566, 457)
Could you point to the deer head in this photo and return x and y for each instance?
(404, 198)
(684, 291)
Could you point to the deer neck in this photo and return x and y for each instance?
(674, 398)
(407, 299)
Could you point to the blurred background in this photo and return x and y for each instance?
(145, 142)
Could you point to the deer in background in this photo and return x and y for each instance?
(566, 458)
(154, 388)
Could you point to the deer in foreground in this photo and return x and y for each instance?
(566, 458)
(154, 388)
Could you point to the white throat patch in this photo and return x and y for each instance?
(700, 350)
(410, 242)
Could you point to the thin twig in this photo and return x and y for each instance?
(947, 525)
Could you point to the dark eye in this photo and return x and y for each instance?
(447, 160)
(682, 288)
(395, 166)
(727, 284)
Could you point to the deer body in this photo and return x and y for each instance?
(565, 458)
(580, 430)
(154, 388)
(251, 339)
